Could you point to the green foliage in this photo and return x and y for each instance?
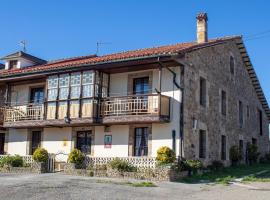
(143, 184)
(41, 155)
(14, 161)
(193, 165)
(235, 155)
(76, 157)
(121, 165)
(252, 151)
(216, 165)
(165, 155)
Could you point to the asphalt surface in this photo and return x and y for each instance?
(60, 186)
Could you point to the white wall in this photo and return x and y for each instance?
(119, 142)
(17, 141)
(21, 63)
(56, 140)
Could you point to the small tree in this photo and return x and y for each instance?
(235, 155)
(252, 153)
(41, 155)
(76, 157)
(165, 155)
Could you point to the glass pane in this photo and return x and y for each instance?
(63, 93)
(87, 91)
(52, 82)
(75, 79)
(88, 77)
(74, 109)
(105, 80)
(52, 94)
(64, 80)
(96, 90)
(75, 92)
(104, 91)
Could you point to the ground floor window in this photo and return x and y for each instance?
(254, 141)
(241, 148)
(36, 141)
(84, 141)
(223, 147)
(141, 141)
(2, 143)
(202, 144)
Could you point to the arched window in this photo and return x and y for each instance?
(232, 65)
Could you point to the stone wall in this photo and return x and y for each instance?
(37, 168)
(213, 64)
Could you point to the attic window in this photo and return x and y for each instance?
(232, 65)
(13, 64)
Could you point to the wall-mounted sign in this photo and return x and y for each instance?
(65, 142)
(107, 141)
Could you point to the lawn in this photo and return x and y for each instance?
(228, 174)
(264, 177)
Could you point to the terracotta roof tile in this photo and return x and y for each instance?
(84, 60)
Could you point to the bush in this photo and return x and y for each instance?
(76, 157)
(216, 165)
(121, 165)
(180, 166)
(41, 155)
(252, 153)
(165, 155)
(194, 165)
(14, 161)
(265, 159)
(235, 155)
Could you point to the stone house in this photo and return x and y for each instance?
(198, 98)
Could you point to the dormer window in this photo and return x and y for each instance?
(13, 64)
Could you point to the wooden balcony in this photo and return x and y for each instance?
(136, 109)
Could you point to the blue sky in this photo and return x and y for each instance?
(64, 28)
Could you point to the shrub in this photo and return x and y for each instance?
(180, 166)
(41, 155)
(165, 155)
(121, 165)
(14, 161)
(194, 165)
(265, 159)
(76, 157)
(252, 153)
(235, 154)
(216, 165)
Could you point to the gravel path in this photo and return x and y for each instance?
(59, 186)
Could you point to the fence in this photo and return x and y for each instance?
(141, 162)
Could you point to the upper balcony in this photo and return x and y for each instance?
(149, 108)
(136, 109)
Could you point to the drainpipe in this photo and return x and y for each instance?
(181, 97)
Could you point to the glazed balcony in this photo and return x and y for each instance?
(136, 109)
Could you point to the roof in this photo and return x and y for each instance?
(142, 54)
(116, 57)
(26, 56)
(2, 66)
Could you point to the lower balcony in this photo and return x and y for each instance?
(136, 109)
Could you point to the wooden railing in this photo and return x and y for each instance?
(153, 104)
(23, 112)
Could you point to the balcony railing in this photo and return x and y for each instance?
(153, 104)
(23, 112)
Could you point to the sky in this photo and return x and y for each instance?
(55, 29)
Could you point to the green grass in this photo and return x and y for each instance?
(264, 177)
(226, 175)
(133, 184)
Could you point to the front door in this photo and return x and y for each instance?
(84, 141)
(2, 143)
(37, 96)
(140, 89)
(141, 141)
(36, 140)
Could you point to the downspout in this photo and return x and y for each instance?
(181, 97)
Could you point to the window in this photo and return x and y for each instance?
(141, 142)
(241, 148)
(232, 65)
(88, 84)
(13, 64)
(223, 102)
(202, 144)
(141, 86)
(63, 86)
(36, 141)
(173, 140)
(202, 92)
(254, 141)
(52, 87)
(75, 85)
(248, 112)
(84, 141)
(36, 95)
(105, 82)
(223, 147)
(240, 112)
(260, 121)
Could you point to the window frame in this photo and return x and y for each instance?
(202, 144)
(203, 92)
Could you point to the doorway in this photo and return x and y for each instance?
(84, 141)
(2, 143)
(36, 141)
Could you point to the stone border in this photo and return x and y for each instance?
(37, 168)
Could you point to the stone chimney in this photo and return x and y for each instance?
(202, 32)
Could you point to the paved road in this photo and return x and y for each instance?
(59, 186)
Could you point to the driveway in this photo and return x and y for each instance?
(60, 186)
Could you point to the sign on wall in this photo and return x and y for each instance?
(108, 141)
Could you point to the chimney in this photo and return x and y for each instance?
(202, 32)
